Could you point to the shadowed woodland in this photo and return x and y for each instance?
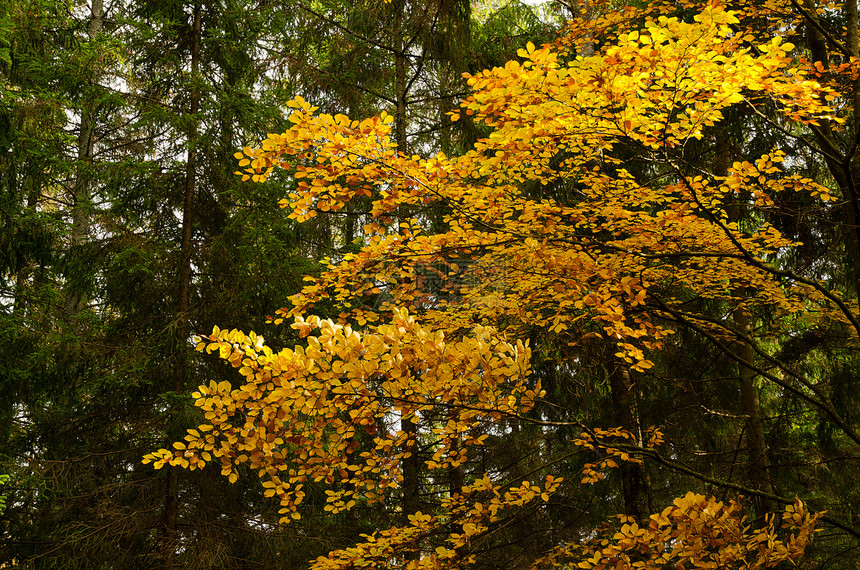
(568, 285)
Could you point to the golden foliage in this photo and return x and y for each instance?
(593, 258)
(604, 262)
(297, 414)
(695, 532)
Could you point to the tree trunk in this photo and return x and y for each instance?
(412, 464)
(634, 484)
(842, 167)
(170, 512)
(411, 502)
(758, 464)
(456, 480)
(81, 198)
(759, 473)
(399, 79)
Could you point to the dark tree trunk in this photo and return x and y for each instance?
(634, 484)
(757, 462)
(170, 513)
(82, 199)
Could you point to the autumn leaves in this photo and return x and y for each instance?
(616, 259)
(297, 415)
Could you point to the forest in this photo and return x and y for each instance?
(430, 284)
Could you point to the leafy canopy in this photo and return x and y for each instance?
(612, 260)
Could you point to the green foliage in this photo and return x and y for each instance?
(95, 360)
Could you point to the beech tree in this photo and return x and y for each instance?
(636, 238)
(124, 231)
